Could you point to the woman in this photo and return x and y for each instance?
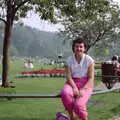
(79, 81)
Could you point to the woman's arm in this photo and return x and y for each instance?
(90, 83)
(68, 77)
(71, 82)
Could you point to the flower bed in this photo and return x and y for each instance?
(43, 73)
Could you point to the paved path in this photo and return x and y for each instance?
(115, 118)
(101, 86)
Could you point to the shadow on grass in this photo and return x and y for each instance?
(96, 103)
(116, 110)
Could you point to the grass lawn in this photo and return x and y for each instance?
(101, 107)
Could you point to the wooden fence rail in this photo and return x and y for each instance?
(49, 95)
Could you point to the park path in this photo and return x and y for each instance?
(101, 86)
(115, 118)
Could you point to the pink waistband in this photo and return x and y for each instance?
(80, 82)
(81, 78)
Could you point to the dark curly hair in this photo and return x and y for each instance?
(115, 57)
(79, 40)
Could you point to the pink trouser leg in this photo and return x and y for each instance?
(67, 97)
(78, 105)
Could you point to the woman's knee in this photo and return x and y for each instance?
(67, 90)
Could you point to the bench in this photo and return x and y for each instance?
(109, 74)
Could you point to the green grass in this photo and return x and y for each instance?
(101, 107)
(106, 106)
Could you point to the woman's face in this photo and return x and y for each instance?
(79, 49)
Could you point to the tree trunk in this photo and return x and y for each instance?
(6, 43)
(6, 51)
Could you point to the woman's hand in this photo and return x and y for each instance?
(81, 92)
(76, 92)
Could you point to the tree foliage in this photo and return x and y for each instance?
(94, 20)
(12, 10)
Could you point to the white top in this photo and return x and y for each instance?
(79, 70)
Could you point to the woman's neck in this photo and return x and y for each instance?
(78, 58)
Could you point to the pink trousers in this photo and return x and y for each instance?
(78, 105)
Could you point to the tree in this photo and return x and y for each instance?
(12, 10)
(94, 20)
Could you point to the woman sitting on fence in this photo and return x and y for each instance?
(79, 81)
